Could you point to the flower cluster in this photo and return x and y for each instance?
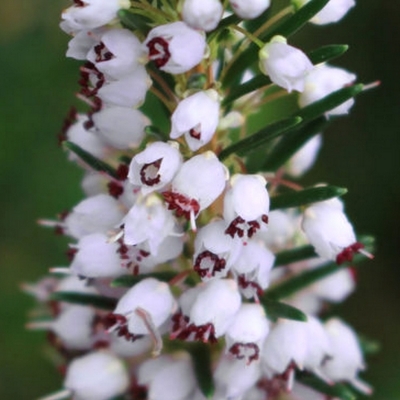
(193, 239)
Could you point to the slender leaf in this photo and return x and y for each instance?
(306, 196)
(327, 53)
(304, 279)
(287, 28)
(275, 309)
(106, 303)
(294, 255)
(292, 142)
(92, 161)
(263, 136)
(224, 23)
(157, 133)
(337, 390)
(130, 280)
(134, 21)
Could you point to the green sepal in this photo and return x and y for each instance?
(163, 276)
(338, 390)
(202, 363)
(327, 53)
(292, 142)
(287, 28)
(294, 255)
(306, 196)
(92, 161)
(256, 140)
(196, 81)
(134, 21)
(306, 278)
(103, 302)
(275, 309)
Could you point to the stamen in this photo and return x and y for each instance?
(182, 205)
(102, 53)
(152, 329)
(159, 51)
(149, 173)
(208, 263)
(245, 350)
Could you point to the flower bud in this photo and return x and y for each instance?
(202, 14)
(249, 9)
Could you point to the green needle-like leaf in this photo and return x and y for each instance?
(337, 390)
(327, 53)
(294, 255)
(164, 276)
(105, 303)
(263, 136)
(306, 196)
(92, 161)
(275, 309)
(134, 21)
(155, 132)
(289, 144)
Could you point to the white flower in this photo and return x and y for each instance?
(246, 205)
(97, 376)
(89, 14)
(175, 48)
(214, 252)
(305, 157)
(246, 334)
(155, 167)
(287, 66)
(334, 11)
(324, 80)
(329, 231)
(120, 127)
(117, 53)
(97, 257)
(196, 117)
(249, 9)
(198, 183)
(81, 43)
(202, 14)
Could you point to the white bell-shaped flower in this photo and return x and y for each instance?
(97, 257)
(202, 14)
(233, 378)
(249, 9)
(126, 349)
(196, 117)
(168, 378)
(149, 295)
(120, 127)
(334, 11)
(329, 231)
(324, 80)
(97, 376)
(89, 14)
(207, 310)
(346, 359)
(148, 221)
(246, 334)
(175, 48)
(117, 53)
(99, 213)
(198, 183)
(305, 157)
(286, 65)
(129, 91)
(155, 167)
(246, 205)
(252, 268)
(214, 252)
(82, 42)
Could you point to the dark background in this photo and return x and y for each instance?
(361, 152)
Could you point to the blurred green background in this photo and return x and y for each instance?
(361, 152)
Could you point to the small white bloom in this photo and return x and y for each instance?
(89, 14)
(196, 117)
(99, 375)
(175, 48)
(305, 157)
(81, 43)
(202, 14)
(246, 334)
(120, 127)
(126, 349)
(324, 80)
(329, 231)
(334, 11)
(117, 53)
(155, 167)
(287, 66)
(246, 205)
(249, 9)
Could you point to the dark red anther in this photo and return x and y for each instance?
(79, 3)
(182, 205)
(71, 253)
(149, 173)
(102, 53)
(347, 254)
(239, 350)
(122, 172)
(244, 284)
(195, 134)
(217, 264)
(159, 51)
(115, 189)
